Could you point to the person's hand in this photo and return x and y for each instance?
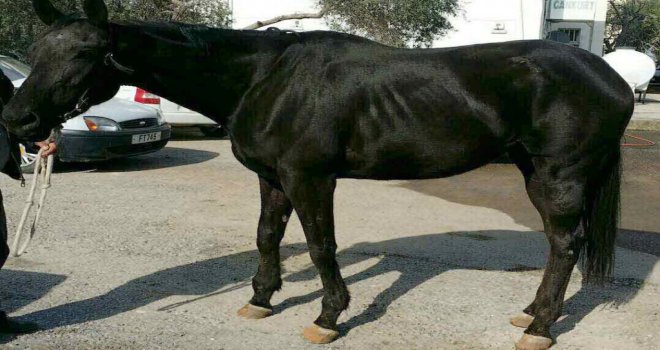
(49, 147)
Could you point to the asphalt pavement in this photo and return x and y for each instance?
(157, 252)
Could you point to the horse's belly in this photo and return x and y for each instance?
(396, 158)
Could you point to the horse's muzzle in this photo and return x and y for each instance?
(26, 126)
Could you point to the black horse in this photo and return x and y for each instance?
(304, 109)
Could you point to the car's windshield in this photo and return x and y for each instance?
(14, 69)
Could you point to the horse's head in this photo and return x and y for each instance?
(69, 71)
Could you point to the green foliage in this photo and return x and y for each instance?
(392, 22)
(215, 13)
(19, 24)
(633, 23)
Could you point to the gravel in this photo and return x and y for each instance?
(157, 252)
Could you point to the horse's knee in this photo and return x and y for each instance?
(323, 255)
(268, 240)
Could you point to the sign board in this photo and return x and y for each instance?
(573, 10)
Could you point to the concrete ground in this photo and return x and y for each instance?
(647, 114)
(157, 252)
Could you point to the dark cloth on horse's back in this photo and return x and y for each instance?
(9, 149)
(6, 90)
(9, 155)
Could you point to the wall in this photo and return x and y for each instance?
(590, 19)
(479, 21)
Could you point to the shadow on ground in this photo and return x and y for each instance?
(501, 187)
(416, 259)
(168, 157)
(505, 192)
(20, 288)
(191, 134)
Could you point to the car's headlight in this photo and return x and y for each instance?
(96, 124)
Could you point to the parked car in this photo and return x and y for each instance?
(656, 78)
(114, 129)
(173, 114)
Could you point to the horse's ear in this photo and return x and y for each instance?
(96, 11)
(46, 12)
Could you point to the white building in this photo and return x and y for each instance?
(579, 22)
(582, 20)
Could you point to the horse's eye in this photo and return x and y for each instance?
(86, 54)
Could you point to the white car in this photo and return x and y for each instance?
(114, 129)
(173, 114)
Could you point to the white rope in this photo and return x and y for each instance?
(42, 170)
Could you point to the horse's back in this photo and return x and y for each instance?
(452, 110)
(432, 113)
(365, 110)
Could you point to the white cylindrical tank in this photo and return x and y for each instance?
(635, 67)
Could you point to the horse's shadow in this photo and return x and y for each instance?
(508, 251)
(417, 259)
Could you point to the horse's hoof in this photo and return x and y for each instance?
(522, 320)
(253, 312)
(319, 335)
(533, 342)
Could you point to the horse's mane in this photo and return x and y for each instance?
(201, 35)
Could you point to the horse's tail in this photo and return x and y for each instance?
(601, 217)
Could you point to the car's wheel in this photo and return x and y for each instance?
(214, 131)
(28, 157)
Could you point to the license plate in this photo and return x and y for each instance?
(146, 138)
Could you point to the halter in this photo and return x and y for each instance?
(109, 60)
(81, 106)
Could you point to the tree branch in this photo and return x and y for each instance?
(259, 24)
(616, 10)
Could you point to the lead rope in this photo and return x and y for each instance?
(42, 170)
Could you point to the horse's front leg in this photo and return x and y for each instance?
(275, 212)
(312, 198)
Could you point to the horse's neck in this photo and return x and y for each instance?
(206, 70)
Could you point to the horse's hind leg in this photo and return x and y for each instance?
(558, 193)
(312, 197)
(275, 211)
